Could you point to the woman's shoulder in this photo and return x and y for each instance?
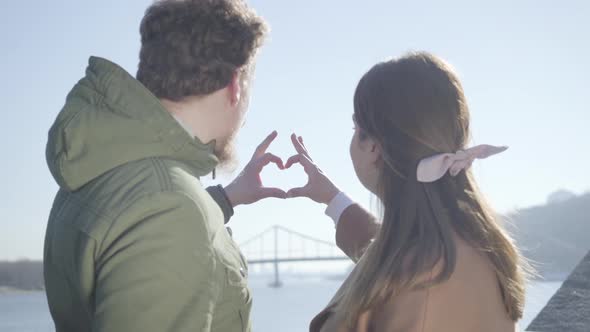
(468, 299)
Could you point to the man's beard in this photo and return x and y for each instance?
(225, 151)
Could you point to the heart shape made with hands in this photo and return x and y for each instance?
(300, 157)
(248, 188)
(273, 176)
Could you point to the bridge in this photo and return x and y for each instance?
(288, 246)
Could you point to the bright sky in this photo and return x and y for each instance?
(524, 66)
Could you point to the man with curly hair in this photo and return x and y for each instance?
(134, 242)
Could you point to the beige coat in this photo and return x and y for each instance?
(469, 301)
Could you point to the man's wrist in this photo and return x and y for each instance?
(220, 197)
(230, 194)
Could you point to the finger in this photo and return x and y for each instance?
(292, 160)
(272, 192)
(300, 139)
(307, 164)
(297, 192)
(298, 147)
(261, 149)
(268, 158)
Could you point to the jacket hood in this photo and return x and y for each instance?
(110, 119)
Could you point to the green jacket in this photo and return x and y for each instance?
(134, 242)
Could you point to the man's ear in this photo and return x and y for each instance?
(235, 89)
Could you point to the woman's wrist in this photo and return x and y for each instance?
(337, 205)
(330, 194)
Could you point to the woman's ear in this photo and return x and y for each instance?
(371, 149)
(235, 89)
(374, 151)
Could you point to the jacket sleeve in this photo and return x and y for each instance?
(355, 230)
(220, 197)
(156, 269)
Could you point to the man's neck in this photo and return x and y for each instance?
(183, 125)
(194, 117)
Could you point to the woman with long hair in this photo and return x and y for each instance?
(439, 259)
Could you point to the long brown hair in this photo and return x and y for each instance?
(414, 107)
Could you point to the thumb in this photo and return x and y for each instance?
(272, 192)
(297, 192)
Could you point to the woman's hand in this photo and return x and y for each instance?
(319, 187)
(247, 188)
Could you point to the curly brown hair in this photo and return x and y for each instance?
(194, 47)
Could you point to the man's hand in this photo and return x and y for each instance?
(319, 187)
(247, 188)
